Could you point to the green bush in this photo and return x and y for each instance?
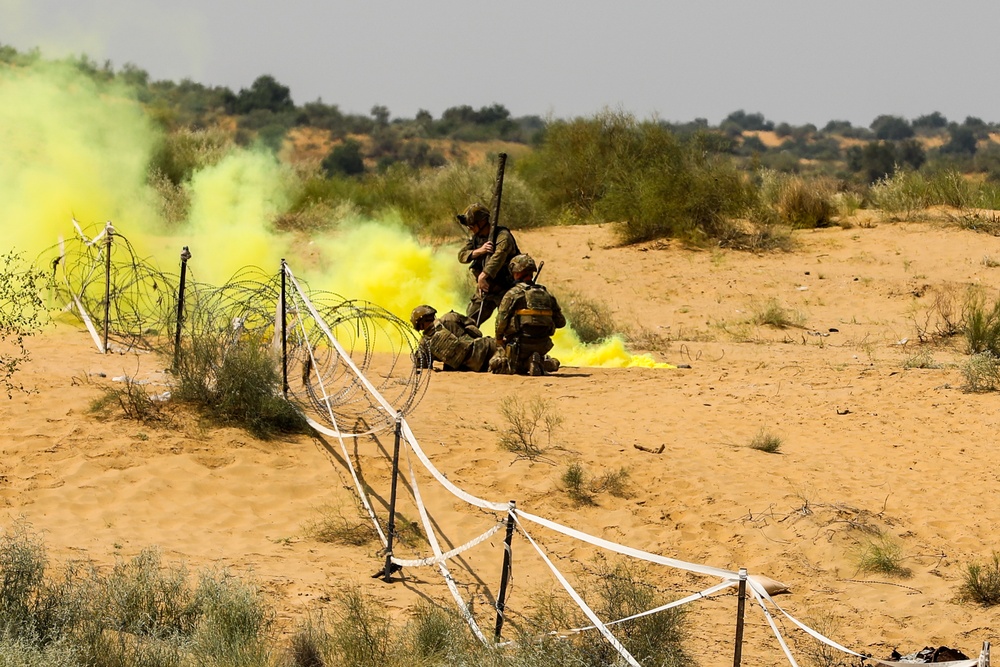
(982, 326)
(982, 582)
(981, 372)
(233, 379)
(590, 319)
(613, 167)
(881, 554)
(764, 441)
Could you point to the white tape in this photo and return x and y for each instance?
(622, 651)
(448, 555)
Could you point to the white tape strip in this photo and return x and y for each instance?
(411, 440)
(629, 551)
(448, 555)
(436, 548)
(622, 651)
(90, 325)
(343, 449)
(774, 627)
(333, 341)
(670, 605)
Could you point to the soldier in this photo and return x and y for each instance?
(452, 339)
(488, 262)
(527, 318)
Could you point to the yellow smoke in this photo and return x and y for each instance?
(76, 148)
(609, 354)
(70, 147)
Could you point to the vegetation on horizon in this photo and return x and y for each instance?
(737, 184)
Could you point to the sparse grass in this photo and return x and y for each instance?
(765, 441)
(922, 359)
(527, 422)
(140, 613)
(132, 399)
(332, 526)
(772, 313)
(615, 482)
(880, 553)
(981, 583)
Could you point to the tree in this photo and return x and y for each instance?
(752, 122)
(931, 121)
(891, 128)
(265, 94)
(380, 114)
(962, 141)
(875, 161)
(344, 159)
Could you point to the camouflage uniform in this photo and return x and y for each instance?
(494, 265)
(455, 341)
(527, 318)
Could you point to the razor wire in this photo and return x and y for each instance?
(116, 292)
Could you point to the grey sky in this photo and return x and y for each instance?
(792, 60)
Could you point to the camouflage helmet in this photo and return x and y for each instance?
(522, 263)
(419, 313)
(475, 213)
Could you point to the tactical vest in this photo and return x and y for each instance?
(448, 347)
(535, 319)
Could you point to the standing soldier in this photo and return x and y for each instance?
(527, 318)
(487, 261)
(452, 339)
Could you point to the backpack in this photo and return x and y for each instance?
(535, 319)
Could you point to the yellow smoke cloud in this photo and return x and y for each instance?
(71, 147)
(608, 354)
(232, 204)
(385, 264)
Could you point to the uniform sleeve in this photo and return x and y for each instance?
(504, 313)
(557, 315)
(465, 254)
(502, 253)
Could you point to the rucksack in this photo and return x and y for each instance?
(535, 319)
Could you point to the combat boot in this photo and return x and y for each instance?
(535, 364)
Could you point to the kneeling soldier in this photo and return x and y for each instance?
(526, 319)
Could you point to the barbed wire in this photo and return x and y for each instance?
(134, 305)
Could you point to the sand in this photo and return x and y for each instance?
(871, 438)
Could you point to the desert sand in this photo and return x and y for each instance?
(868, 440)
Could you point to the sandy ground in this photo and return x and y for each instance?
(867, 441)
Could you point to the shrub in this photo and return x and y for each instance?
(981, 583)
(345, 158)
(232, 378)
(21, 312)
(765, 441)
(332, 526)
(982, 327)
(575, 481)
(881, 554)
(234, 623)
(133, 400)
(362, 634)
(590, 319)
(526, 421)
(981, 372)
(615, 168)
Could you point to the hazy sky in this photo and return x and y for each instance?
(797, 61)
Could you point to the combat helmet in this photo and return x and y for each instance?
(474, 213)
(522, 263)
(419, 313)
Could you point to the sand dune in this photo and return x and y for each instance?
(866, 442)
